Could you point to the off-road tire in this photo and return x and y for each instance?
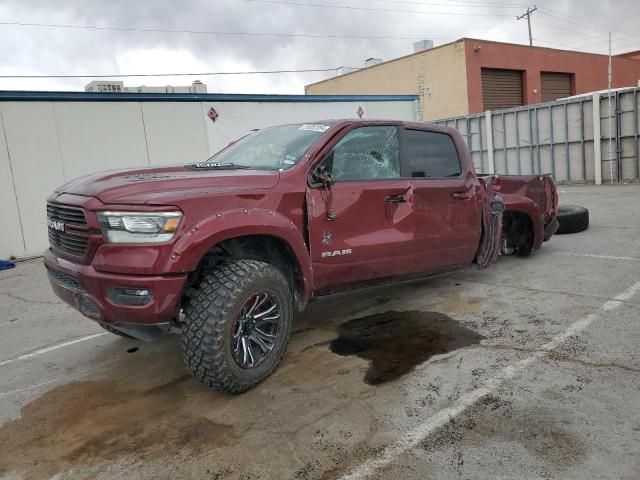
(110, 329)
(572, 219)
(210, 314)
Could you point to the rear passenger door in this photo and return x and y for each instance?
(361, 227)
(446, 208)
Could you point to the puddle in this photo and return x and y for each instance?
(396, 342)
(95, 422)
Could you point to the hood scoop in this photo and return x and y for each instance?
(142, 177)
(215, 166)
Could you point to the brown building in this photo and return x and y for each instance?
(470, 76)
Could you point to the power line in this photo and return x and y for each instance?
(201, 74)
(214, 32)
(582, 38)
(458, 3)
(370, 9)
(625, 44)
(559, 27)
(602, 30)
(550, 12)
(466, 4)
(581, 25)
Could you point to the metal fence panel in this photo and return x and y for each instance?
(557, 138)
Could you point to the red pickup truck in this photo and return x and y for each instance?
(226, 250)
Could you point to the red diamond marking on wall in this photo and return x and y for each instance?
(213, 114)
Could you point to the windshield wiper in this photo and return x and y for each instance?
(216, 166)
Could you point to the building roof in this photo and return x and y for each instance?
(61, 96)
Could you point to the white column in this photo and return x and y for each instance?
(489, 131)
(597, 150)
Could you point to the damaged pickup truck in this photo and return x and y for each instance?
(225, 251)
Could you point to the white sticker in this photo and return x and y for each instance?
(314, 127)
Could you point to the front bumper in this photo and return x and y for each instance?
(85, 289)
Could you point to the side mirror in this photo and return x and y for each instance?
(321, 176)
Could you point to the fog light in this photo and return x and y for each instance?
(130, 296)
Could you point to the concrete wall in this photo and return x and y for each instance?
(396, 77)
(445, 88)
(52, 138)
(437, 76)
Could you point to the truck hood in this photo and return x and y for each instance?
(167, 185)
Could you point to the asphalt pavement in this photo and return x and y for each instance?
(527, 370)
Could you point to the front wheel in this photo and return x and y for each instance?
(238, 325)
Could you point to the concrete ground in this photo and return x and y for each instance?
(528, 370)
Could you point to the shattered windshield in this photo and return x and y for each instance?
(273, 148)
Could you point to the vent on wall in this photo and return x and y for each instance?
(344, 70)
(422, 45)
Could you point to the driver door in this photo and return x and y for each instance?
(361, 227)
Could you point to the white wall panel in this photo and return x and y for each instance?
(389, 110)
(176, 132)
(98, 136)
(37, 166)
(236, 119)
(11, 240)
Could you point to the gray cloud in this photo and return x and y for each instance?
(69, 51)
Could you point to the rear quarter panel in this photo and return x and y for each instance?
(535, 195)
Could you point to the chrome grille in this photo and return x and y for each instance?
(72, 216)
(70, 241)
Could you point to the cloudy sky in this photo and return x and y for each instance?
(124, 43)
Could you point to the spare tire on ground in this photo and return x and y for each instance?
(572, 219)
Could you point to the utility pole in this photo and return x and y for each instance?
(528, 15)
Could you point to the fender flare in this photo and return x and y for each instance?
(521, 204)
(202, 237)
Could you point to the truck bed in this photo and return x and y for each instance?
(538, 188)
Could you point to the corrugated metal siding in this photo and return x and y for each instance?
(557, 138)
(501, 88)
(555, 85)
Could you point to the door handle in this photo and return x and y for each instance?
(461, 195)
(395, 199)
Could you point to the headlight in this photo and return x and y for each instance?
(139, 227)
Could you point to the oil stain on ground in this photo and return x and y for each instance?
(532, 429)
(396, 342)
(93, 422)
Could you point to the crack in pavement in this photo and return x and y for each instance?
(26, 300)
(555, 292)
(563, 357)
(11, 277)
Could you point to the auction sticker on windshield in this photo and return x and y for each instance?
(314, 127)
